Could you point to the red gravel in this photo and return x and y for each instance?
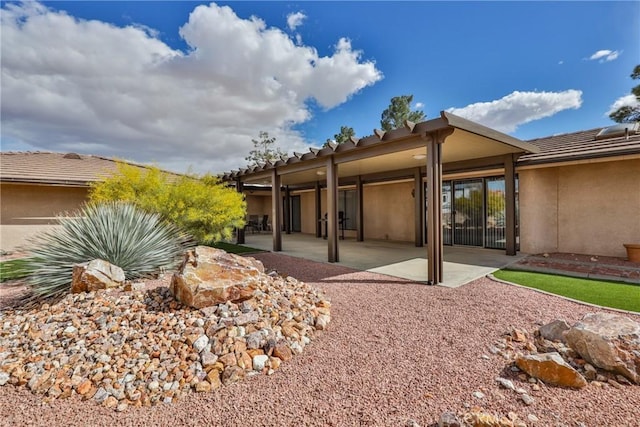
(394, 351)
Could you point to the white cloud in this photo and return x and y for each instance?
(294, 20)
(624, 101)
(88, 86)
(518, 108)
(605, 55)
(419, 104)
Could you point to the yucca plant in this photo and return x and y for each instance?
(137, 241)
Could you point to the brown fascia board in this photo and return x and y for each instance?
(59, 182)
(473, 127)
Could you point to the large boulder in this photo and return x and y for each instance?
(211, 276)
(608, 341)
(95, 275)
(552, 369)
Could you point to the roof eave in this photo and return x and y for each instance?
(478, 129)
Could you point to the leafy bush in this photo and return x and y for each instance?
(140, 243)
(200, 205)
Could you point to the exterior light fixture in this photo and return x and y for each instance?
(321, 173)
(419, 156)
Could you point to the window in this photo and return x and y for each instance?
(348, 203)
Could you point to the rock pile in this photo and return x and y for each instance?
(138, 348)
(602, 350)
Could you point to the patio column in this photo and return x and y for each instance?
(318, 210)
(419, 207)
(434, 210)
(287, 210)
(240, 231)
(510, 204)
(359, 210)
(276, 211)
(332, 210)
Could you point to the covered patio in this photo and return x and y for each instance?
(461, 264)
(420, 152)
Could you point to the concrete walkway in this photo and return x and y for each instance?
(399, 259)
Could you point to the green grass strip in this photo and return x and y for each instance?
(607, 294)
(233, 248)
(13, 269)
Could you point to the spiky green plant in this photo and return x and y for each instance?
(137, 241)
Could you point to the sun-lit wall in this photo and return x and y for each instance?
(590, 208)
(28, 209)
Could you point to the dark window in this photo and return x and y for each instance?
(347, 203)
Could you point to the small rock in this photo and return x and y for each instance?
(4, 378)
(552, 369)
(259, 362)
(412, 423)
(100, 395)
(153, 386)
(521, 391)
(528, 400)
(122, 407)
(201, 343)
(203, 387)
(532, 418)
(478, 395)
(508, 384)
(449, 419)
(554, 331)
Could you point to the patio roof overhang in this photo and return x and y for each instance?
(400, 149)
(422, 149)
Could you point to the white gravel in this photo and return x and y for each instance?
(394, 351)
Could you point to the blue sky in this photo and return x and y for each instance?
(190, 83)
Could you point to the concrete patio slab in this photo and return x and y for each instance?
(398, 259)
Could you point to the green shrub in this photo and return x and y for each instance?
(140, 243)
(200, 205)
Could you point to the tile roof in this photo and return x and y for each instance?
(55, 168)
(580, 145)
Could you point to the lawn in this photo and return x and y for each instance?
(12, 269)
(233, 248)
(608, 294)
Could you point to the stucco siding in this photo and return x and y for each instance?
(389, 212)
(30, 209)
(589, 208)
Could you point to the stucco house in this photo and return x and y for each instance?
(577, 192)
(37, 186)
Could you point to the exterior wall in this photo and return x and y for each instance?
(389, 212)
(588, 208)
(29, 209)
(259, 204)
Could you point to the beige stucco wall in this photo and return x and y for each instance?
(30, 209)
(389, 212)
(590, 208)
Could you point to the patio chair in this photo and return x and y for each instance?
(252, 224)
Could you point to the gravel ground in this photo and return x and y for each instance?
(395, 351)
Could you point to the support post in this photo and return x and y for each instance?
(359, 210)
(419, 207)
(318, 210)
(332, 210)
(510, 204)
(434, 210)
(240, 231)
(276, 211)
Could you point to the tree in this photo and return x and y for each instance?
(346, 132)
(398, 111)
(201, 206)
(264, 150)
(628, 113)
